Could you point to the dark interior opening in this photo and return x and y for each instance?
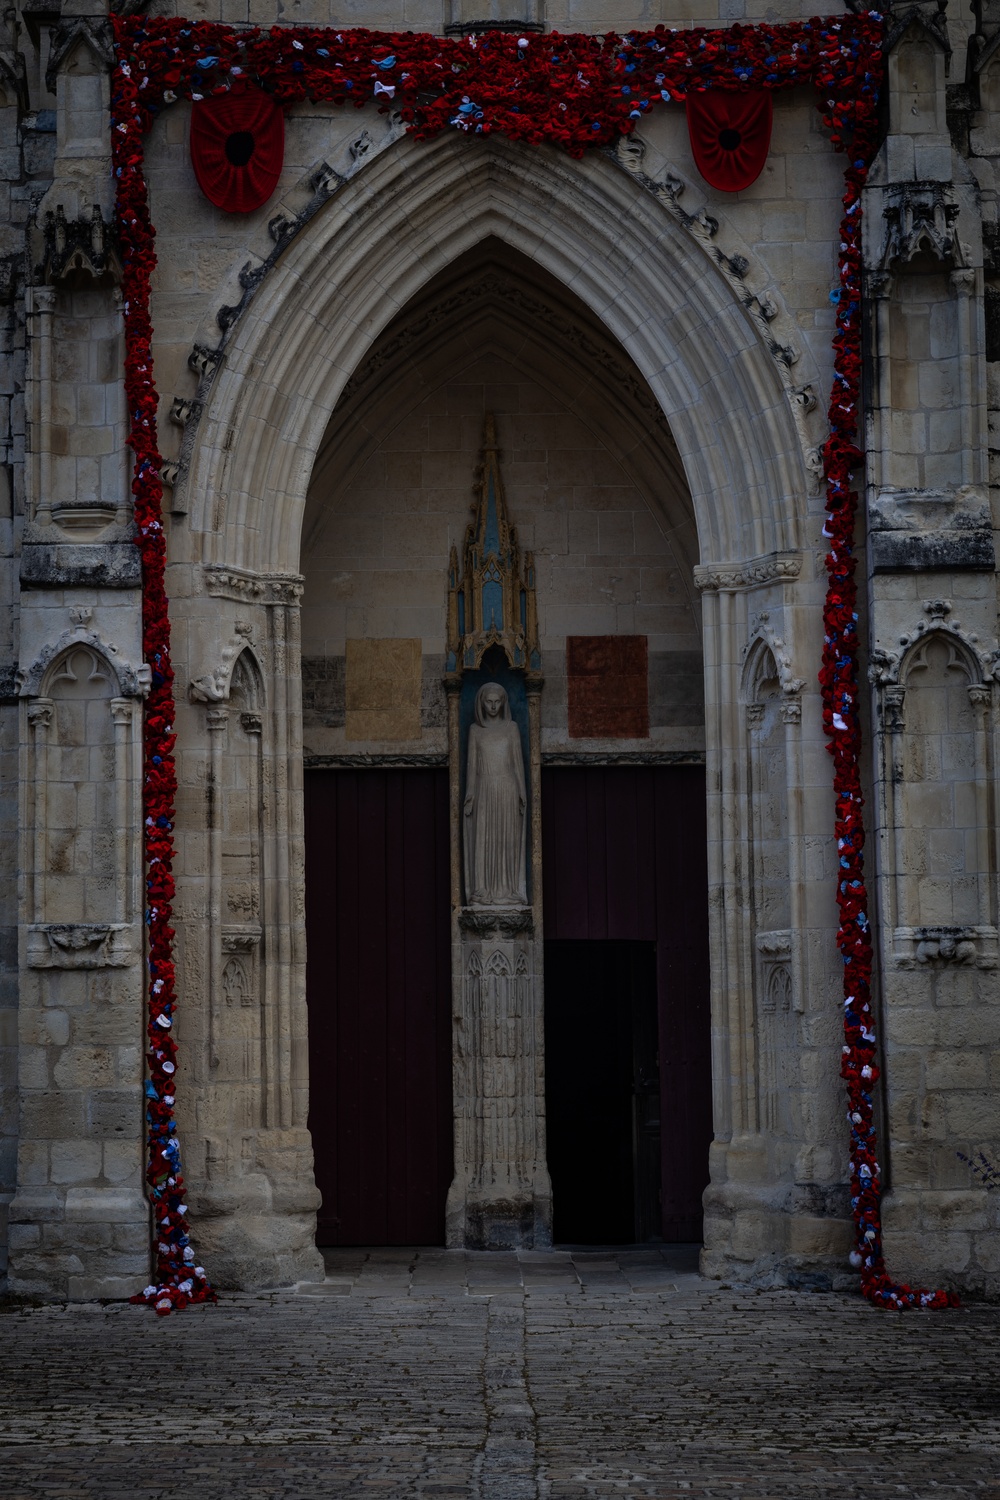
(239, 147)
(602, 1091)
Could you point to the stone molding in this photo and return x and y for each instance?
(205, 360)
(945, 947)
(628, 154)
(779, 567)
(323, 182)
(74, 246)
(92, 32)
(775, 947)
(761, 305)
(921, 217)
(884, 666)
(82, 945)
(504, 922)
(363, 760)
(240, 937)
(926, 530)
(762, 632)
(600, 757)
(247, 587)
(133, 680)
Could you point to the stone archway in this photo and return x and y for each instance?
(653, 290)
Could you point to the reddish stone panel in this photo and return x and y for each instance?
(608, 681)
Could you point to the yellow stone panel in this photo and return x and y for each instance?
(382, 690)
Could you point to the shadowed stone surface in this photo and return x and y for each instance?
(563, 1375)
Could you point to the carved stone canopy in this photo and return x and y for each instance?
(491, 602)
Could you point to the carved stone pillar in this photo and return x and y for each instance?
(247, 1149)
(501, 1196)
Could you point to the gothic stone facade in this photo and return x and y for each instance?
(657, 356)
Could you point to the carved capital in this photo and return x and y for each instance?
(216, 718)
(486, 922)
(40, 713)
(892, 709)
(252, 588)
(240, 939)
(779, 567)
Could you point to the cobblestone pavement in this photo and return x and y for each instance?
(557, 1376)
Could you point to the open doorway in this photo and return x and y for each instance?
(602, 1092)
(627, 1036)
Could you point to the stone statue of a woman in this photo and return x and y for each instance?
(495, 801)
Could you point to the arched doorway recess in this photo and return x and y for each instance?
(416, 210)
(594, 486)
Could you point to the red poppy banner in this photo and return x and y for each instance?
(237, 149)
(730, 137)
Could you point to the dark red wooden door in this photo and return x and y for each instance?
(625, 859)
(378, 985)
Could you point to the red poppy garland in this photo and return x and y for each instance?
(574, 92)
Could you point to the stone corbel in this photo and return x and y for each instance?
(133, 680)
(81, 945)
(774, 947)
(919, 530)
(240, 938)
(87, 246)
(945, 947)
(214, 686)
(791, 686)
(893, 721)
(921, 218)
(505, 922)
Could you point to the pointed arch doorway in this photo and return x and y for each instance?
(596, 490)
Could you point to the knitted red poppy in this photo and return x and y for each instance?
(237, 149)
(730, 136)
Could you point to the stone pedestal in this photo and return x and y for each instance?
(500, 1198)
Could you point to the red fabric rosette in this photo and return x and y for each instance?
(237, 149)
(730, 136)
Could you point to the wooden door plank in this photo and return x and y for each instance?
(379, 993)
